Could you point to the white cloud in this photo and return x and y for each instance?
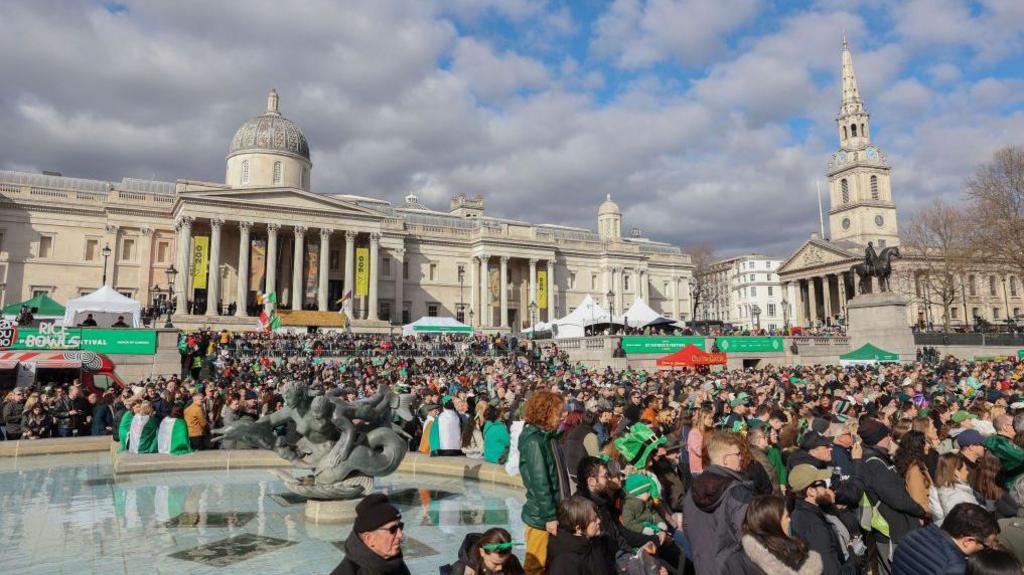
(496, 75)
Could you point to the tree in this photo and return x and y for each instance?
(996, 193)
(702, 256)
(938, 252)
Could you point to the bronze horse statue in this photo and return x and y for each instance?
(879, 266)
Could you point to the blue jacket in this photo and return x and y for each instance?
(928, 551)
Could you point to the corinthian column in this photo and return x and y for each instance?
(297, 267)
(325, 254)
(272, 257)
(213, 279)
(373, 313)
(242, 299)
(184, 239)
(551, 290)
(485, 293)
(503, 291)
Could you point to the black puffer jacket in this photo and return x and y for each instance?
(359, 560)
(713, 511)
(883, 485)
(570, 554)
(808, 522)
(928, 550)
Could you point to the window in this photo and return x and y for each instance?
(874, 187)
(385, 271)
(991, 285)
(593, 281)
(1013, 286)
(335, 259)
(40, 292)
(405, 270)
(127, 249)
(46, 246)
(277, 180)
(845, 187)
(163, 249)
(385, 310)
(972, 286)
(245, 171)
(1016, 312)
(405, 313)
(433, 272)
(953, 312)
(572, 280)
(853, 130)
(102, 382)
(975, 313)
(995, 313)
(753, 278)
(753, 291)
(771, 310)
(625, 282)
(769, 290)
(125, 293)
(881, 243)
(432, 310)
(91, 249)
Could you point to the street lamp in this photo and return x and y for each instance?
(470, 316)
(755, 310)
(172, 302)
(462, 278)
(106, 254)
(533, 320)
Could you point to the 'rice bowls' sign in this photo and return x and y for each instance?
(52, 337)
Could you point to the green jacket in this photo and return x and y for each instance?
(496, 441)
(775, 457)
(638, 514)
(1009, 455)
(539, 471)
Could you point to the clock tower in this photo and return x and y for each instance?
(860, 191)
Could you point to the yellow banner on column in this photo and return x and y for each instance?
(542, 289)
(362, 271)
(200, 260)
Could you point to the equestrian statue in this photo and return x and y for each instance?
(877, 265)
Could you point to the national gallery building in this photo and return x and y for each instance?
(265, 231)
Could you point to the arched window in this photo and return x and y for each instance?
(874, 187)
(277, 172)
(845, 186)
(245, 171)
(853, 130)
(863, 132)
(844, 132)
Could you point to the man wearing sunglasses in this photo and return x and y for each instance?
(966, 529)
(813, 492)
(375, 545)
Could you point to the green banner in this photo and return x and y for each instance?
(443, 328)
(660, 345)
(750, 344)
(1020, 354)
(122, 341)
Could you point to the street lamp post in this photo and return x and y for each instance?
(106, 254)
(755, 310)
(462, 278)
(470, 316)
(611, 307)
(172, 302)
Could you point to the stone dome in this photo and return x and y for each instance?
(608, 207)
(270, 132)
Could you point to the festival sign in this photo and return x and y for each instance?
(659, 345)
(362, 271)
(117, 341)
(200, 260)
(750, 344)
(542, 289)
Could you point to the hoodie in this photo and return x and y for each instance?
(714, 510)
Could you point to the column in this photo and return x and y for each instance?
(485, 297)
(474, 291)
(373, 313)
(797, 300)
(533, 284)
(812, 297)
(551, 290)
(503, 290)
(213, 279)
(325, 259)
(620, 287)
(841, 281)
(183, 241)
(242, 299)
(399, 257)
(297, 268)
(272, 257)
(350, 267)
(826, 291)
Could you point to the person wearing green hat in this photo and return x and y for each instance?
(638, 513)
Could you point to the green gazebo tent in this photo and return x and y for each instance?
(867, 354)
(42, 303)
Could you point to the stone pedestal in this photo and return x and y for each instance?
(881, 320)
(331, 512)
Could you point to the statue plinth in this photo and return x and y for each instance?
(881, 320)
(331, 512)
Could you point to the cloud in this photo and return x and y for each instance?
(495, 76)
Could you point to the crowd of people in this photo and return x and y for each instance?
(889, 468)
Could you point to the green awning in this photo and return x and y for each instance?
(869, 353)
(44, 305)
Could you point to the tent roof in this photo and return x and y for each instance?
(427, 324)
(641, 315)
(869, 352)
(105, 300)
(691, 356)
(43, 302)
(587, 313)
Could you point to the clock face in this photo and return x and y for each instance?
(846, 223)
(841, 157)
(879, 221)
(872, 154)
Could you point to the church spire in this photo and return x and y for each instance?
(851, 102)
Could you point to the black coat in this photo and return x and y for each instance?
(359, 560)
(570, 554)
(884, 485)
(809, 524)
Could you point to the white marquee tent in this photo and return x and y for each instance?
(587, 314)
(436, 325)
(641, 315)
(105, 305)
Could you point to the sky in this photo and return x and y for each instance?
(708, 121)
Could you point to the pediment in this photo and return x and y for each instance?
(282, 198)
(813, 254)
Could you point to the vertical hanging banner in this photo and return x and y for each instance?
(200, 260)
(312, 271)
(257, 265)
(362, 271)
(542, 289)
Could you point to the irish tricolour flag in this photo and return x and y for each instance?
(269, 321)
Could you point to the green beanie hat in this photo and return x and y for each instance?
(637, 484)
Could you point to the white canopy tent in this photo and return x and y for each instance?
(105, 305)
(587, 314)
(428, 324)
(641, 315)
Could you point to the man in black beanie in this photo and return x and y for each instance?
(375, 545)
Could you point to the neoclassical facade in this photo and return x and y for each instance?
(264, 230)
(817, 279)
